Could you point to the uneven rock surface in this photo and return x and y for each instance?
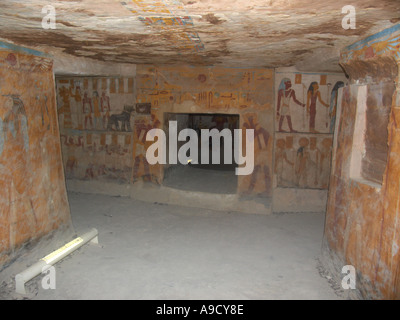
(241, 33)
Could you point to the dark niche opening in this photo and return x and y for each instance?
(208, 177)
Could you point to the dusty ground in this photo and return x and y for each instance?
(154, 251)
(196, 178)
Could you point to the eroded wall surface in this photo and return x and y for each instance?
(363, 208)
(33, 198)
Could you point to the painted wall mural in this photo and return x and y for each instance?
(96, 124)
(305, 115)
(107, 140)
(384, 43)
(33, 198)
(302, 161)
(306, 102)
(261, 174)
(141, 168)
(245, 92)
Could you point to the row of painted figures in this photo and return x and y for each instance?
(306, 166)
(90, 113)
(286, 94)
(94, 112)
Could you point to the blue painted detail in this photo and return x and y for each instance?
(16, 48)
(386, 32)
(24, 123)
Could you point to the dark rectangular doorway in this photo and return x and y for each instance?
(212, 178)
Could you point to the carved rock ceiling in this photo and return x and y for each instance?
(307, 34)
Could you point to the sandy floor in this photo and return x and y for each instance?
(198, 178)
(155, 251)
